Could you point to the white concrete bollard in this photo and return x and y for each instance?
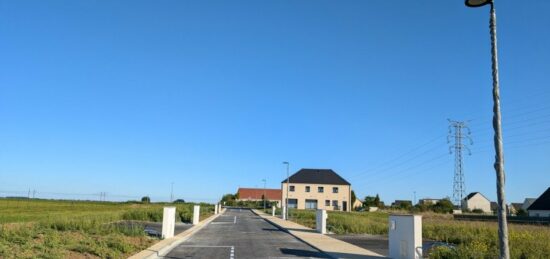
(216, 209)
(196, 214)
(273, 209)
(220, 208)
(168, 222)
(405, 236)
(321, 221)
(283, 212)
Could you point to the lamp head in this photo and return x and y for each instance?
(477, 3)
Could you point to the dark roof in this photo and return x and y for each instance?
(542, 202)
(472, 195)
(318, 176)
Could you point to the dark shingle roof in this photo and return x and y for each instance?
(472, 195)
(542, 202)
(318, 176)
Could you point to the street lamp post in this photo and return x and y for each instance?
(263, 180)
(497, 126)
(287, 188)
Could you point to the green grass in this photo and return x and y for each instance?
(473, 239)
(78, 229)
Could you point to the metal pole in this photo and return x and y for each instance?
(172, 192)
(287, 188)
(499, 157)
(264, 194)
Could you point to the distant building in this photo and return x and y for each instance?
(514, 207)
(541, 207)
(476, 200)
(357, 203)
(428, 201)
(256, 194)
(527, 202)
(317, 189)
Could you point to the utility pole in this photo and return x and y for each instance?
(263, 180)
(172, 192)
(459, 188)
(33, 193)
(414, 200)
(29, 195)
(287, 188)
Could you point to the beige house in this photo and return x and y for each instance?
(317, 189)
(476, 200)
(357, 203)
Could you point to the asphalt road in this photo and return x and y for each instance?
(242, 234)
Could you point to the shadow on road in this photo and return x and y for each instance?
(303, 253)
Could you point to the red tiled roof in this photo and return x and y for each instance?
(256, 194)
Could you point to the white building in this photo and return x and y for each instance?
(527, 202)
(476, 200)
(541, 207)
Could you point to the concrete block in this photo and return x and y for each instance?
(405, 236)
(321, 221)
(168, 222)
(196, 214)
(216, 209)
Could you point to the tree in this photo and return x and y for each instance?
(229, 199)
(522, 212)
(377, 200)
(369, 202)
(353, 197)
(145, 199)
(179, 201)
(443, 206)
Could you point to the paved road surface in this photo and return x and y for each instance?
(241, 234)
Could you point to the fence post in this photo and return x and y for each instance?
(273, 208)
(405, 236)
(283, 213)
(321, 221)
(196, 214)
(168, 222)
(216, 209)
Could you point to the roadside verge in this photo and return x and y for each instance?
(332, 247)
(164, 246)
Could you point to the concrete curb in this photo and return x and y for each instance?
(164, 246)
(331, 254)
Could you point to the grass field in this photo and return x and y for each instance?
(78, 229)
(473, 239)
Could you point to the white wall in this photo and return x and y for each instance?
(478, 202)
(539, 213)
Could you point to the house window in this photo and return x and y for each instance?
(320, 189)
(291, 188)
(308, 188)
(335, 205)
(327, 203)
(334, 189)
(292, 203)
(311, 204)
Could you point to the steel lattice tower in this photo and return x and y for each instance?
(459, 128)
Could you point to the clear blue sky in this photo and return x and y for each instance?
(125, 97)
